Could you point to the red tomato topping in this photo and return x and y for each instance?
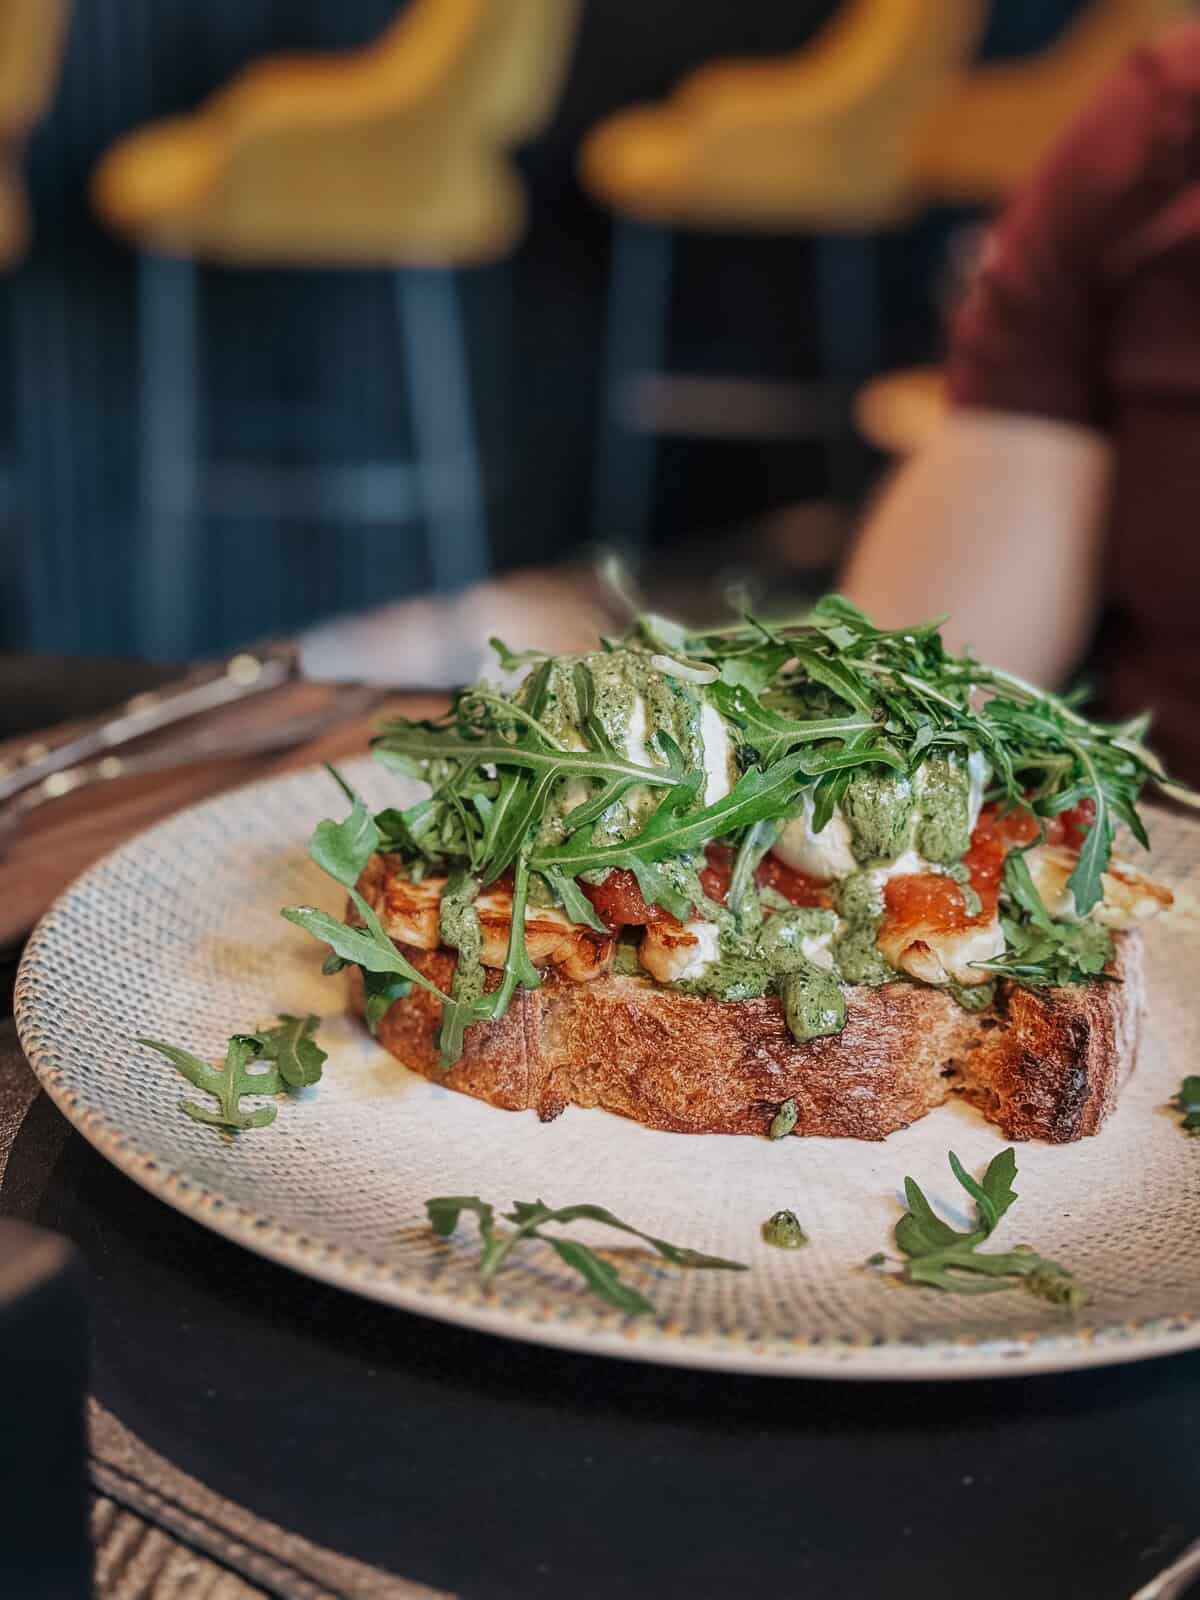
(718, 874)
(933, 898)
(1071, 827)
(798, 887)
(619, 904)
(618, 901)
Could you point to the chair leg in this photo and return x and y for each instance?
(170, 445)
(636, 341)
(849, 333)
(448, 469)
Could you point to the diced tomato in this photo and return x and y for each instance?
(618, 901)
(718, 874)
(933, 898)
(1071, 827)
(619, 904)
(797, 887)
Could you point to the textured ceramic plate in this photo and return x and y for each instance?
(178, 936)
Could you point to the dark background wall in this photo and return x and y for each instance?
(306, 366)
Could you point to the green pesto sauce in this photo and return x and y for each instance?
(860, 904)
(888, 815)
(974, 996)
(540, 892)
(943, 810)
(878, 806)
(773, 958)
(813, 1001)
(619, 677)
(458, 926)
(784, 1231)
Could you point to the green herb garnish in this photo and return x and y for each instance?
(529, 1219)
(1188, 1102)
(288, 1056)
(783, 1230)
(807, 705)
(942, 1257)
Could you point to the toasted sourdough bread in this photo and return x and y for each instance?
(1045, 1064)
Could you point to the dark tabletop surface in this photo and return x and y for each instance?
(495, 1469)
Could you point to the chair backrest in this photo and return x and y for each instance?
(869, 48)
(32, 33)
(499, 62)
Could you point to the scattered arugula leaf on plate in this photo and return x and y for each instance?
(529, 1217)
(290, 1056)
(942, 1257)
(1188, 1102)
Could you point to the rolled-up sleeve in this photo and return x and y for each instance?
(1030, 334)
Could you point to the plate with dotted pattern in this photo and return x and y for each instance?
(177, 936)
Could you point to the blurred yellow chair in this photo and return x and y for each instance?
(397, 152)
(32, 34)
(819, 139)
(989, 131)
(394, 155)
(818, 142)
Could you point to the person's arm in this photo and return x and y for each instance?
(999, 520)
(998, 524)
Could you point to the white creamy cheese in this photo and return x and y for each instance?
(815, 947)
(636, 747)
(821, 855)
(718, 753)
(979, 774)
(706, 950)
(902, 867)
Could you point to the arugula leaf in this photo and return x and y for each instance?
(529, 1217)
(361, 946)
(445, 1211)
(1085, 881)
(942, 1257)
(511, 660)
(1065, 953)
(756, 842)
(1188, 1102)
(226, 1084)
(995, 1194)
(291, 1046)
(1020, 887)
(380, 990)
(601, 1277)
(342, 849)
(574, 902)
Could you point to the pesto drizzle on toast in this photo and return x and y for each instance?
(640, 757)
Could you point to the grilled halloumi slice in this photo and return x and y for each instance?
(675, 951)
(1129, 896)
(551, 938)
(409, 913)
(940, 956)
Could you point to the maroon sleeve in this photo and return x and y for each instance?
(1030, 333)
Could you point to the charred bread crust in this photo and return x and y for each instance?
(1041, 1064)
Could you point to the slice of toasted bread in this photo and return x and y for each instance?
(1045, 1064)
